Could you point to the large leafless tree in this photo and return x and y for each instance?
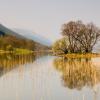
(82, 37)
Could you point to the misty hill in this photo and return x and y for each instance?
(9, 38)
(34, 36)
(9, 31)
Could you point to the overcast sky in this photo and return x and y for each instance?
(45, 17)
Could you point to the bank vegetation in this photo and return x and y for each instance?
(77, 38)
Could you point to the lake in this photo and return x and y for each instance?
(47, 77)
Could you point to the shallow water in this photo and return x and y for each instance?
(45, 77)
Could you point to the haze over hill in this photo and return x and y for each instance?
(21, 33)
(9, 31)
(11, 39)
(34, 36)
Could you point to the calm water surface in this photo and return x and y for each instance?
(45, 77)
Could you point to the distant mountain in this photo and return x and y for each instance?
(21, 33)
(8, 31)
(34, 36)
(19, 40)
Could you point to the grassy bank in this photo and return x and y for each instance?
(17, 51)
(86, 55)
(22, 51)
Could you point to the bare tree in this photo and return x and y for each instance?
(81, 37)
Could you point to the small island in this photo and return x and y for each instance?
(78, 40)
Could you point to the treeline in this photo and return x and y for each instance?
(9, 42)
(77, 38)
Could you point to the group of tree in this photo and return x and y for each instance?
(77, 38)
(9, 42)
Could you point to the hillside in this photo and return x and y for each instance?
(9, 32)
(10, 39)
(34, 36)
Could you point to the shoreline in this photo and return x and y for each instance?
(17, 51)
(71, 55)
(87, 55)
(24, 51)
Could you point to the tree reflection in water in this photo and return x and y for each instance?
(10, 61)
(77, 73)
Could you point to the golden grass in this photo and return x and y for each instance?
(22, 51)
(3, 51)
(87, 55)
(17, 51)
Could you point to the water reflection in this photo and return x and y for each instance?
(38, 77)
(10, 61)
(77, 73)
